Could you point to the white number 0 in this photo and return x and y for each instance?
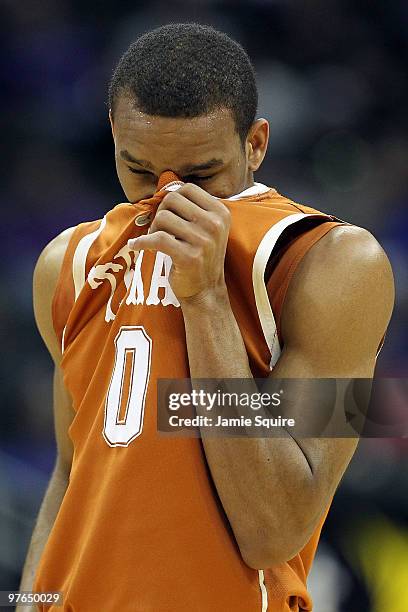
(133, 355)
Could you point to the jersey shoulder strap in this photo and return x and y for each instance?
(286, 258)
(64, 295)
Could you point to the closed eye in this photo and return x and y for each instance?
(197, 178)
(187, 179)
(135, 171)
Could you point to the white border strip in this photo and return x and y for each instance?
(264, 592)
(80, 255)
(256, 189)
(261, 258)
(79, 265)
(63, 339)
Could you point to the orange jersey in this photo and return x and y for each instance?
(141, 527)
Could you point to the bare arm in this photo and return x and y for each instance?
(44, 283)
(274, 490)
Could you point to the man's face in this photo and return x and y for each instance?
(203, 150)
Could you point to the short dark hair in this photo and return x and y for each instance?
(187, 70)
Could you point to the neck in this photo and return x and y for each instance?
(249, 180)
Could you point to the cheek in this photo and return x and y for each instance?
(224, 187)
(229, 183)
(125, 181)
(123, 175)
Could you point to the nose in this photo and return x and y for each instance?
(166, 177)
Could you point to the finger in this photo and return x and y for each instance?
(182, 206)
(159, 241)
(168, 221)
(200, 197)
(209, 221)
(208, 203)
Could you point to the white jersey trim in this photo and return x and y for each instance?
(264, 592)
(256, 189)
(261, 258)
(80, 255)
(79, 264)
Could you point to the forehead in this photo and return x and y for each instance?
(174, 139)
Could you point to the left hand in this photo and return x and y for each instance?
(191, 227)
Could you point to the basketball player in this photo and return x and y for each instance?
(203, 273)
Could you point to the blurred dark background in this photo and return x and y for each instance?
(333, 83)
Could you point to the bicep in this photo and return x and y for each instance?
(338, 306)
(46, 276)
(45, 280)
(334, 317)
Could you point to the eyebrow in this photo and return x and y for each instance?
(186, 170)
(211, 163)
(128, 157)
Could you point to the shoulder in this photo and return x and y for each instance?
(350, 238)
(49, 263)
(342, 291)
(45, 279)
(346, 253)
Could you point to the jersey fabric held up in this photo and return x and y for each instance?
(141, 527)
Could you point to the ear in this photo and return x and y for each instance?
(257, 143)
(111, 123)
